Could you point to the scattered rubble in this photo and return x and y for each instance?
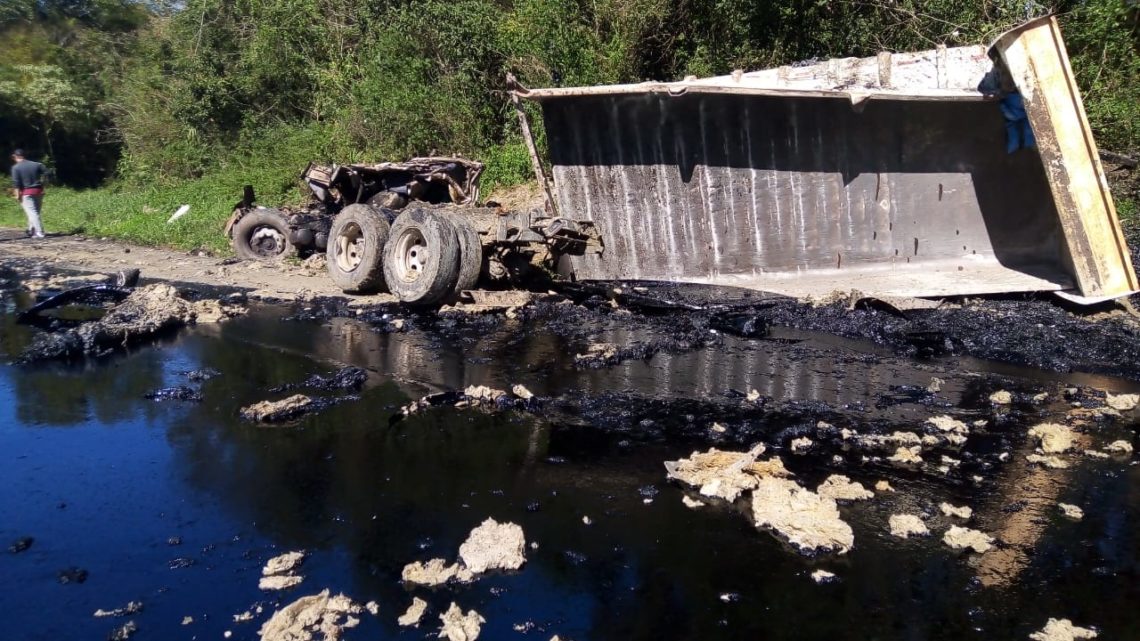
(841, 488)
(60, 282)
(72, 575)
(1122, 402)
(905, 526)
(284, 563)
(277, 411)
(822, 577)
(884, 486)
(907, 455)
(597, 355)
(145, 313)
(123, 632)
(458, 626)
(285, 582)
(903, 439)
(949, 424)
(954, 431)
(130, 608)
(1001, 397)
(691, 503)
(347, 378)
(176, 393)
(725, 475)
(1062, 630)
(493, 546)
(963, 512)
(434, 573)
(810, 522)
(801, 444)
(1053, 438)
(312, 618)
(414, 613)
(483, 394)
(522, 392)
(21, 544)
(1072, 511)
(279, 572)
(961, 538)
(1119, 447)
(1051, 462)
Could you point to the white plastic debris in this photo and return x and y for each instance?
(1053, 438)
(962, 538)
(1122, 402)
(1062, 630)
(458, 626)
(841, 488)
(823, 576)
(1071, 511)
(801, 444)
(1001, 397)
(808, 521)
(494, 546)
(179, 213)
(963, 512)
(414, 613)
(1119, 447)
(905, 526)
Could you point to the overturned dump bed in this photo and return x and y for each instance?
(889, 175)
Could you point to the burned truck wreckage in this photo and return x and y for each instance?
(949, 172)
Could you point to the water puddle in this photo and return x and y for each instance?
(179, 504)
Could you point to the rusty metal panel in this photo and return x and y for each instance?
(732, 188)
(1038, 65)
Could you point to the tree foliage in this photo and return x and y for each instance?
(165, 91)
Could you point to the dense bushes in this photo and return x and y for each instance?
(181, 90)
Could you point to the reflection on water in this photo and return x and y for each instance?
(126, 475)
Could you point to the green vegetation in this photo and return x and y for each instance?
(143, 106)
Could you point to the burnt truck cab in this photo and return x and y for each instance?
(258, 232)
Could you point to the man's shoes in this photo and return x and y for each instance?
(28, 232)
(38, 236)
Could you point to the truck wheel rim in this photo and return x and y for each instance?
(349, 248)
(267, 241)
(411, 255)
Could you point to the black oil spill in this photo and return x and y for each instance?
(618, 555)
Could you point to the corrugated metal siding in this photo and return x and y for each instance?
(699, 186)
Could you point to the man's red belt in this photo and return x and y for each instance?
(32, 191)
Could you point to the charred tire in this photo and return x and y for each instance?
(262, 234)
(356, 249)
(470, 252)
(421, 259)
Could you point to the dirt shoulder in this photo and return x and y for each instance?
(1037, 332)
(285, 281)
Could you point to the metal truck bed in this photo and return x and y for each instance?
(888, 175)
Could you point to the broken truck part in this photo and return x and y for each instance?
(424, 251)
(889, 175)
(269, 233)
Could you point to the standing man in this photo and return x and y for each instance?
(28, 184)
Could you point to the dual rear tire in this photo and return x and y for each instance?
(424, 257)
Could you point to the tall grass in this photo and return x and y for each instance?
(139, 215)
